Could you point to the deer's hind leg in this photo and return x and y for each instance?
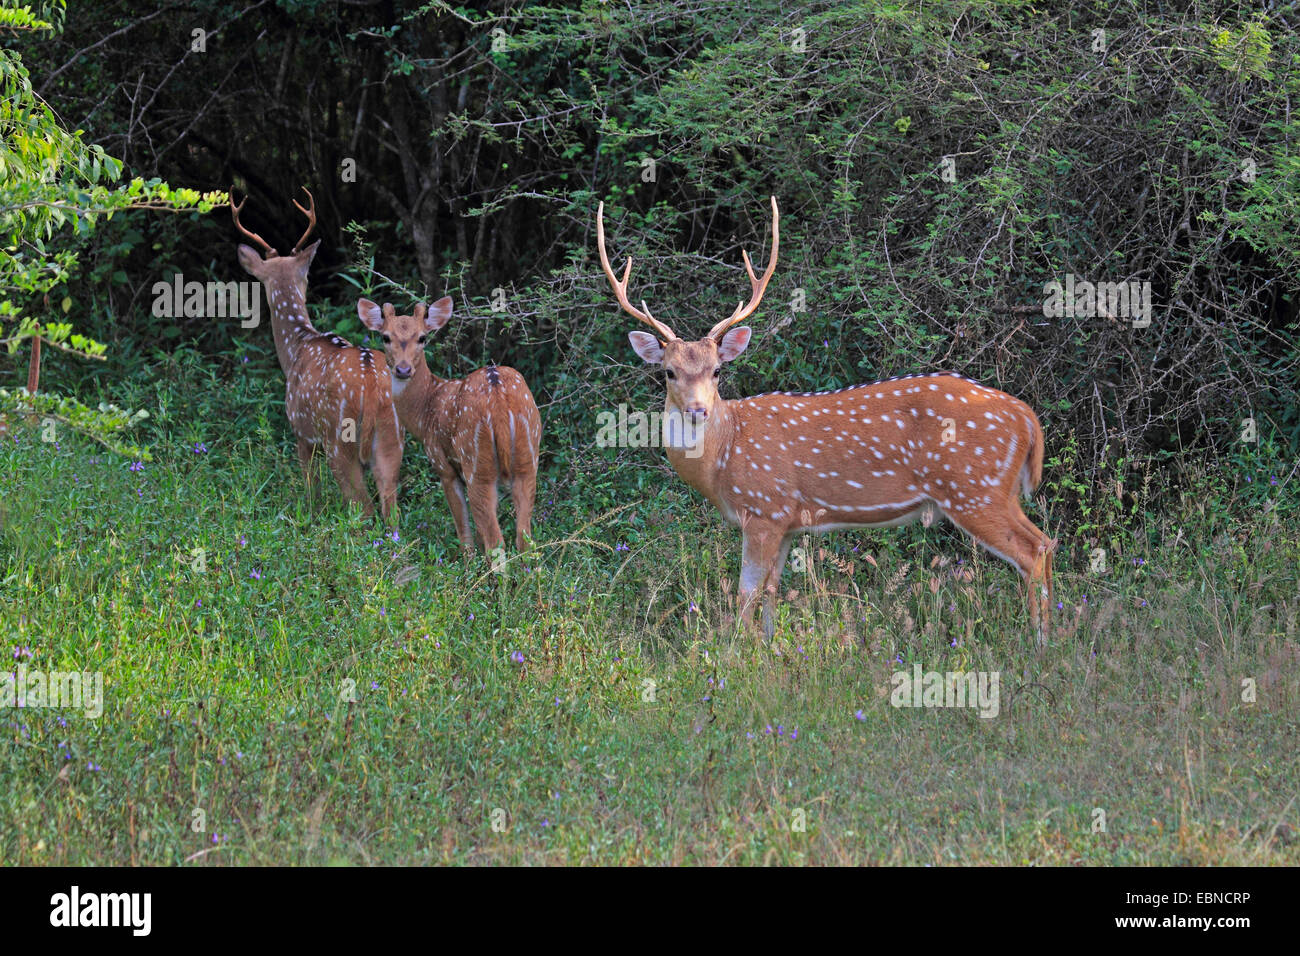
(1016, 540)
(483, 504)
(1039, 578)
(523, 490)
(346, 466)
(386, 463)
(454, 489)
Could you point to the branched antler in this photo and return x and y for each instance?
(234, 214)
(310, 213)
(620, 288)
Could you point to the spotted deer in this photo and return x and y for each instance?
(479, 431)
(868, 456)
(337, 396)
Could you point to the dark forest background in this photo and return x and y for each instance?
(462, 149)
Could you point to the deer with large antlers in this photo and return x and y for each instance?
(878, 455)
(479, 431)
(337, 396)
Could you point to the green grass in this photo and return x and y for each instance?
(635, 729)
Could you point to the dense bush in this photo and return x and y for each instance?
(937, 164)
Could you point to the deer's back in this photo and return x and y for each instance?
(333, 382)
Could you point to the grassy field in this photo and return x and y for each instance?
(311, 688)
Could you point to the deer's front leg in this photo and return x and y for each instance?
(762, 546)
(773, 587)
(305, 453)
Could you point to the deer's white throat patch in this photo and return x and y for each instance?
(682, 433)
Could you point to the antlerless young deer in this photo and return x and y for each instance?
(337, 396)
(479, 431)
(867, 456)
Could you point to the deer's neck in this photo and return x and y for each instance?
(289, 322)
(419, 400)
(702, 464)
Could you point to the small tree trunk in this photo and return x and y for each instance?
(34, 366)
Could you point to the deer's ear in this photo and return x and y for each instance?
(734, 342)
(646, 346)
(439, 313)
(250, 260)
(370, 315)
(303, 258)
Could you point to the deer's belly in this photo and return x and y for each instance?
(818, 516)
(822, 520)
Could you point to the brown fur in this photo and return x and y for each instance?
(479, 431)
(783, 463)
(337, 396)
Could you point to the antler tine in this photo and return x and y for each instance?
(620, 288)
(756, 286)
(310, 213)
(234, 214)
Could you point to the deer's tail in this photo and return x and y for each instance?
(1031, 475)
(499, 408)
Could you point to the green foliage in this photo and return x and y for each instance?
(105, 424)
(23, 18)
(1245, 51)
(52, 183)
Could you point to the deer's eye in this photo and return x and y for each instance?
(670, 373)
(717, 371)
(386, 339)
(421, 339)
